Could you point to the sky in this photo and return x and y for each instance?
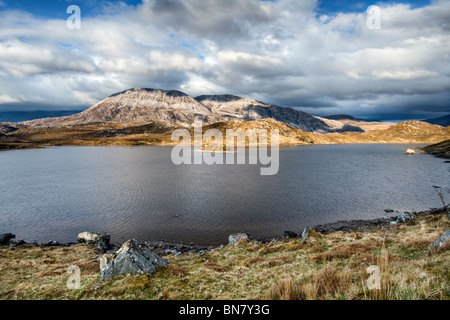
(319, 56)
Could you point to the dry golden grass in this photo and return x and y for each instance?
(330, 266)
(156, 134)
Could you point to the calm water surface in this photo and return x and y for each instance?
(53, 194)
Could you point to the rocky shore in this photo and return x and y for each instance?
(441, 149)
(325, 262)
(165, 247)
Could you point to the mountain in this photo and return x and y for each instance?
(441, 121)
(177, 108)
(139, 105)
(233, 107)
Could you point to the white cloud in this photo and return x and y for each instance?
(246, 61)
(175, 61)
(8, 99)
(404, 74)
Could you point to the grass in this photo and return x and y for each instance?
(330, 266)
(158, 134)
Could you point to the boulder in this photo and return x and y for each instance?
(290, 235)
(100, 240)
(132, 257)
(5, 237)
(305, 233)
(405, 217)
(236, 237)
(440, 242)
(173, 252)
(410, 151)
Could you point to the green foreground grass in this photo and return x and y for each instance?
(329, 266)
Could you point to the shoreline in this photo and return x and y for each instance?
(13, 147)
(331, 266)
(166, 247)
(129, 134)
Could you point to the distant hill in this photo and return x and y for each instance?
(404, 132)
(440, 149)
(177, 108)
(19, 116)
(441, 121)
(361, 123)
(414, 128)
(340, 117)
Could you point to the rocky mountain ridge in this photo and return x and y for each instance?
(234, 107)
(177, 108)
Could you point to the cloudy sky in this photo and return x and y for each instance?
(318, 56)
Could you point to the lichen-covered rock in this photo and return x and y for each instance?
(5, 237)
(132, 257)
(236, 237)
(100, 240)
(440, 242)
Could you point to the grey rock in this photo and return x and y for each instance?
(52, 243)
(172, 251)
(290, 235)
(236, 237)
(131, 258)
(273, 242)
(18, 242)
(305, 233)
(100, 240)
(405, 217)
(5, 237)
(440, 242)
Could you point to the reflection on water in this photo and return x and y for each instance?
(137, 192)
